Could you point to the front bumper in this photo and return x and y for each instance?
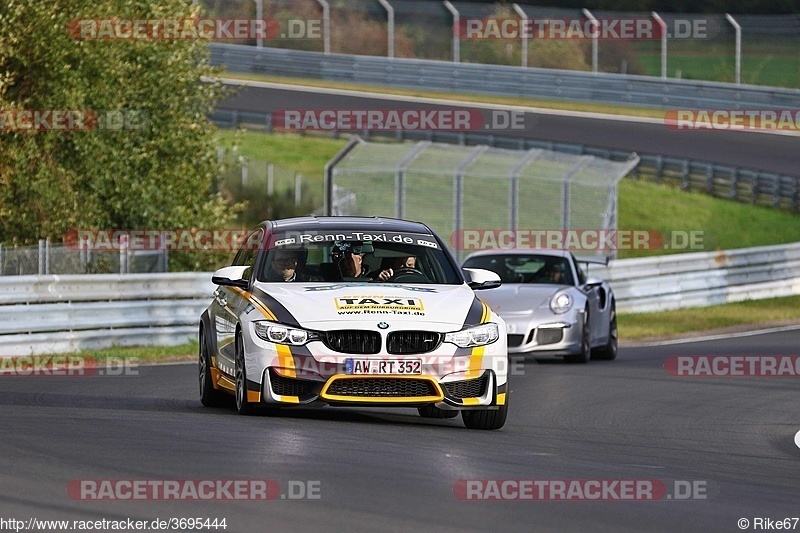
(553, 337)
(455, 392)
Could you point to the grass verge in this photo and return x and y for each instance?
(749, 314)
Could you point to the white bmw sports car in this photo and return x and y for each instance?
(352, 311)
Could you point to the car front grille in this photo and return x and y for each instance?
(514, 340)
(292, 387)
(471, 388)
(412, 342)
(382, 387)
(353, 341)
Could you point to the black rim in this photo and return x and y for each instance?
(239, 378)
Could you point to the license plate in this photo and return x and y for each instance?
(355, 366)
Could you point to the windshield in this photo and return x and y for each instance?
(533, 268)
(353, 257)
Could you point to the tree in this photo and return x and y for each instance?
(156, 172)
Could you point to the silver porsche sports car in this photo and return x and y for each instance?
(550, 306)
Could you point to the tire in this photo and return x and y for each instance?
(209, 396)
(609, 351)
(486, 419)
(586, 350)
(431, 411)
(242, 404)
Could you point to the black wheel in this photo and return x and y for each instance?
(209, 396)
(242, 404)
(586, 350)
(486, 419)
(431, 411)
(609, 351)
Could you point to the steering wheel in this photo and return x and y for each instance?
(401, 274)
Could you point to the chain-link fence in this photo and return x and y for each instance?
(698, 46)
(46, 258)
(456, 188)
(269, 191)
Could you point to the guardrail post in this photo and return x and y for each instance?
(738, 30)
(1, 249)
(685, 175)
(710, 178)
(123, 254)
(794, 209)
(456, 31)
(734, 183)
(659, 168)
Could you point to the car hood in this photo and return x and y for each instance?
(516, 299)
(346, 303)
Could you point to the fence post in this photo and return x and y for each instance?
(260, 16)
(663, 26)
(123, 254)
(326, 21)
(42, 252)
(738, 30)
(524, 16)
(1, 246)
(390, 26)
(270, 178)
(456, 31)
(595, 37)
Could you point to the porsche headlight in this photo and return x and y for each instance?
(560, 303)
(280, 334)
(474, 336)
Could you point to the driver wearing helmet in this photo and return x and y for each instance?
(553, 273)
(349, 257)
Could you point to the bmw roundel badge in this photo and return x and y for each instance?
(383, 325)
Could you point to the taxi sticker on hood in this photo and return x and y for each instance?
(397, 305)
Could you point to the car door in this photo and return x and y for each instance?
(229, 302)
(597, 296)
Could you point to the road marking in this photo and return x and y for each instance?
(715, 337)
(647, 466)
(473, 105)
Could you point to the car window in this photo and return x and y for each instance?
(246, 256)
(330, 259)
(525, 268)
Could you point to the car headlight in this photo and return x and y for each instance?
(280, 334)
(561, 303)
(474, 336)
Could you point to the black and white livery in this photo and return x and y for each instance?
(353, 311)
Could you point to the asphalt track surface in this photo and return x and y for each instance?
(752, 150)
(390, 470)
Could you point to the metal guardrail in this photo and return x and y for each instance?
(51, 314)
(734, 183)
(56, 314)
(705, 278)
(502, 80)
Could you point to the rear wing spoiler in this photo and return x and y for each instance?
(594, 260)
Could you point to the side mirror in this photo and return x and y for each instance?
(232, 276)
(479, 279)
(592, 282)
